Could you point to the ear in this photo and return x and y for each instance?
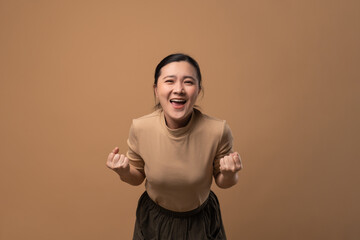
(155, 90)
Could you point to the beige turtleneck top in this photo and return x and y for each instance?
(178, 163)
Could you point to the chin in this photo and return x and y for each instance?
(178, 115)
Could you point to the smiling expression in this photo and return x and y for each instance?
(177, 90)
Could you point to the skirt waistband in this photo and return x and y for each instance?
(145, 198)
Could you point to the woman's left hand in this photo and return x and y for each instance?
(230, 164)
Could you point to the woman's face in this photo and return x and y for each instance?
(177, 90)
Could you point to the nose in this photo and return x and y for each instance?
(179, 88)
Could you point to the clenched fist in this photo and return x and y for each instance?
(230, 164)
(118, 163)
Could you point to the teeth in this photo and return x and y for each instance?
(178, 100)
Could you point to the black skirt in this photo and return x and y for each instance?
(154, 222)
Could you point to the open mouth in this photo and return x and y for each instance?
(177, 103)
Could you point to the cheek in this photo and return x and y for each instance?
(193, 92)
(162, 91)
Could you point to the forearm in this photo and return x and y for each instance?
(226, 180)
(133, 176)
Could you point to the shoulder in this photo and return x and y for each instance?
(209, 120)
(146, 121)
(211, 124)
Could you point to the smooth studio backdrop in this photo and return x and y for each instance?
(284, 74)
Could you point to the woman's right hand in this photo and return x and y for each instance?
(118, 163)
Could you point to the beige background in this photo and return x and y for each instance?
(284, 74)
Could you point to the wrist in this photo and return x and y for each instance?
(228, 175)
(123, 173)
(228, 179)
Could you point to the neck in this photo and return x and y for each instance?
(177, 124)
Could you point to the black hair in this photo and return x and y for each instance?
(176, 57)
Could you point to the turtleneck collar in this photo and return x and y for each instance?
(178, 132)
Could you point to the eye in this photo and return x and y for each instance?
(169, 81)
(189, 82)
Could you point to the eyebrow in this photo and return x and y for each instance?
(190, 77)
(169, 76)
(173, 76)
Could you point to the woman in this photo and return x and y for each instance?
(178, 150)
